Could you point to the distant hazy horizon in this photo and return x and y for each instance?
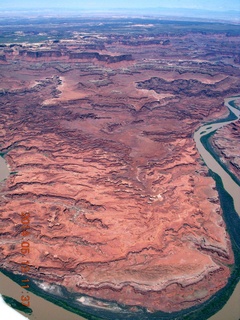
(214, 10)
(213, 5)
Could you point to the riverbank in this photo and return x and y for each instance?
(41, 307)
(228, 199)
(201, 138)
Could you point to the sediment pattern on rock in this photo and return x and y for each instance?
(226, 143)
(121, 206)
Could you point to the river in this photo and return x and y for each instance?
(42, 309)
(231, 311)
(229, 184)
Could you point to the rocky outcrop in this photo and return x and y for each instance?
(43, 54)
(189, 88)
(89, 55)
(91, 46)
(145, 42)
(237, 59)
(3, 57)
(226, 142)
(99, 57)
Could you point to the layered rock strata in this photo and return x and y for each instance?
(121, 206)
(226, 144)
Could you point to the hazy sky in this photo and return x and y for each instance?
(104, 4)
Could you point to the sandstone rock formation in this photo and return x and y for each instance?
(102, 157)
(226, 142)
